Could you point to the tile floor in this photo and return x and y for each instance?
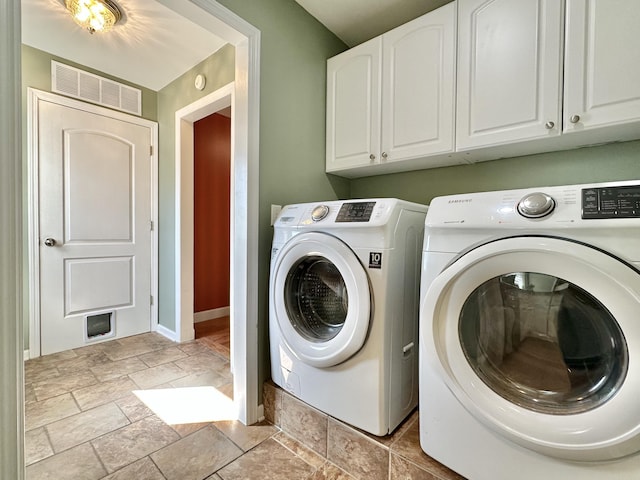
(146, 408)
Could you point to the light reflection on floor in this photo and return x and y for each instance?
(176, 406)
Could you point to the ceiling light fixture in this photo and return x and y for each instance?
(94, 15)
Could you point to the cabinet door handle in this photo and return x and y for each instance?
(574, 118)
(549, 125)
(372, 157)
(384, 155)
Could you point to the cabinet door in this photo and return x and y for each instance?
(353, 107)
(418, 84)
(602, 77)
(509, 71)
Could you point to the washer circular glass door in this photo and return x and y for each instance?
(538, 338)
(322, 299)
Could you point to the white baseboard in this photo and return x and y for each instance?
(27, 356)
(210, 314)
(165, 332)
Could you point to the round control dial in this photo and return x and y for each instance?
(319, 213)
(536, 205)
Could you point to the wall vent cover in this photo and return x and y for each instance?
(77, 83)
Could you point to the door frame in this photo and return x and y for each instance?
(245, 125)
(34, 97)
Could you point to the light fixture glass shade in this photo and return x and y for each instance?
(94, 15)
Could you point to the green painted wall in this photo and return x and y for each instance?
(219, 70)
(293, 54)
(36, 73)
(617, 161)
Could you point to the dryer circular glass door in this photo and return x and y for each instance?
(539, 339)
(322, 299)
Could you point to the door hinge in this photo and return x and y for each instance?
(151, 300)
(150, 149)
(151, 225)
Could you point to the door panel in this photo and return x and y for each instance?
(95, 206)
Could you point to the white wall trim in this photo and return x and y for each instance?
(184, 187)
(11, 239)
(26, 355)
(245, 126)
(34, 97)
(165, 332)
(212, 314)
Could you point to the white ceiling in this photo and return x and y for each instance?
(355, 21)
(154, 45)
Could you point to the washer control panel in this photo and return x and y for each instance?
(611, 202)
(536, 205)
(355, 212)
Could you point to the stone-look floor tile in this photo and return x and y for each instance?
(79, 463)
(390, 439)
(85, 426)
(95, 395)
(29, 394)
(196, 456)
(134, 408)
(268, 461)
(401, 469)
(120, 368)
(122, 349)
(305, 453)
(408, 447)
(151, 341)
(329, 471)
(356, 453)
(133, 442)
(166, 355)
(272, 401)
(246, 437)
(82, 362)
(38, 373)
(143, 469)
(37, 446)
(49, 361)
(193, 348)
(226, 389)
(304, 423)
(201, 379)
(63, 384)
(38, 414)
(204, 362)
(215, 476)
(92, 349)
(186, 429)
(156, 376)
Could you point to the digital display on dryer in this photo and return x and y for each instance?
(355, 212)
(611, 202)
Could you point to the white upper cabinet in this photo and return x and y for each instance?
(418, 76)
(602, 66)
(509, 71)
(483, 79)
(353, 106)
(392, 98)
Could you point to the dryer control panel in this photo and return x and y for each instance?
(611, 202)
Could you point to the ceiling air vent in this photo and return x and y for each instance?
(77, 83)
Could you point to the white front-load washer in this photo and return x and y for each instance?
(343, 308)
(530, 333)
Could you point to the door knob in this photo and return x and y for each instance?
(50, 242)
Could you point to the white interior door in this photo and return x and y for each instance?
(95, 227)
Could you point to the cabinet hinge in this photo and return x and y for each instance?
(151, 225)
(150, 149)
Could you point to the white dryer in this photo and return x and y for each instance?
(530, 333)
(344, 293)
